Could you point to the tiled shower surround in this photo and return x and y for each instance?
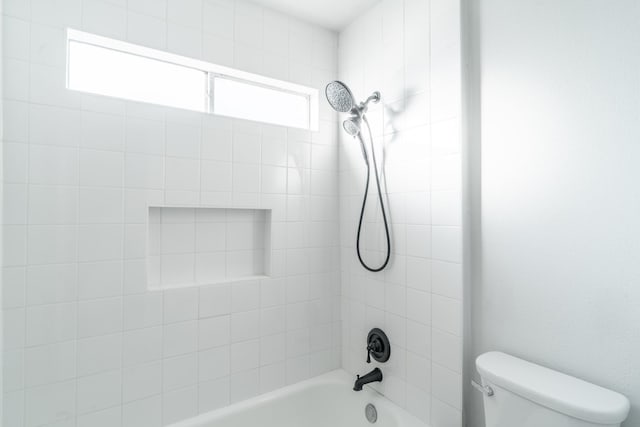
(86, 343)
(410, 51)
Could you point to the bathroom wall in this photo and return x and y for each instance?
(557, 276)
(85, 342)
(410, 51)
(1, 203)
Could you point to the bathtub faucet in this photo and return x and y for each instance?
(371, 377)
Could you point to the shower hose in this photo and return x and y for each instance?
(364, 203)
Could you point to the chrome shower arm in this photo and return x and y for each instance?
(375, 98)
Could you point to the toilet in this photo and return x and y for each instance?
(518, 393)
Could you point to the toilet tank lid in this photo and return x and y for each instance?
(557, 391)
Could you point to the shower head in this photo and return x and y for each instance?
(340, 96)
(352, 126)
(341, 99)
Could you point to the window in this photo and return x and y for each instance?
(109, 72)
(113, 68)
(248, 101)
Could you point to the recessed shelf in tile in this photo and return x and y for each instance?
(200, 246)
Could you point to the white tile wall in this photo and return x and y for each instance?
(412, 55)
(85, 342)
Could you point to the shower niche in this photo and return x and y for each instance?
(189, 246)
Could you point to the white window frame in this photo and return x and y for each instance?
(213, 70)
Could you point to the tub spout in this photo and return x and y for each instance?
(371, 377)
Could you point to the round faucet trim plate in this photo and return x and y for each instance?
(378, 346)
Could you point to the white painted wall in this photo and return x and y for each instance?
(558, 272)
(1, 208)
(409, 50)
(86, 343)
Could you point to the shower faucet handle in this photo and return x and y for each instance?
(373, 347)
(378, 346)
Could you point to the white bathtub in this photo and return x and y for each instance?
(324, 401)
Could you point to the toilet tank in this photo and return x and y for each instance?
(529, 395)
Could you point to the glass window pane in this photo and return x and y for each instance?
(252, 102)
(118, 74)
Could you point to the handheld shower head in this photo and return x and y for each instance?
(340, 96)
(352, 126)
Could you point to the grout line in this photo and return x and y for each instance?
(124, 247)
(77, 256)
(26, 236)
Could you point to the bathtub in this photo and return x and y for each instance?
(324, 401)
